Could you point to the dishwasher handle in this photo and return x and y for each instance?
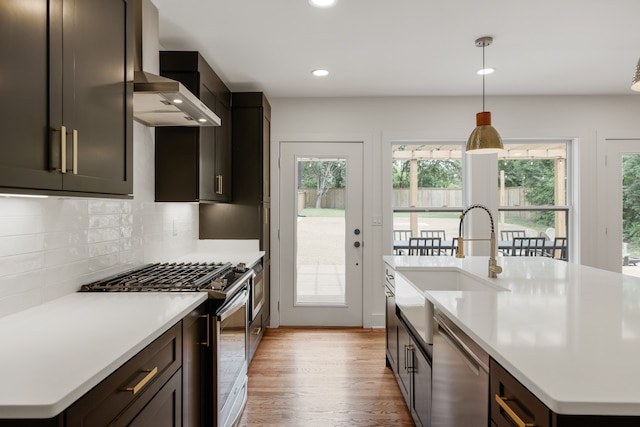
(458, 344)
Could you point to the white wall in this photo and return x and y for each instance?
(585, 119)
(49, 247)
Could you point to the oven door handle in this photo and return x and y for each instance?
(235, 304)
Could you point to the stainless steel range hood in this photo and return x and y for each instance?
(157, 100)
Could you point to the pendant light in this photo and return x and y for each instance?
(635, 83)
(485, 138)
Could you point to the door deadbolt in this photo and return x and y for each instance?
(356, 244)
(356, 231)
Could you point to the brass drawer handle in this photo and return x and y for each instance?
(502, 401)
(257, 331)
(150, 374)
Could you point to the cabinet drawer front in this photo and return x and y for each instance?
(512, 403)
(144, 374)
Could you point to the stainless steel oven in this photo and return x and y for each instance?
(257, 291)
(230, 365)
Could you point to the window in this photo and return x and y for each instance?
(427, 189)
(533, 190)
(427, 193)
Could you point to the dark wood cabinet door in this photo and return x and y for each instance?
(97, 95)
(208, 180)
(392, 331)
(195, 343)
(404, 361)
(223, 166)
(68, 70)
(24, 85)
(164, 409)
(421, 400)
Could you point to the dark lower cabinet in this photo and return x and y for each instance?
(163, 410)
(391, 330)
(195, 344)
(162, 385)
(414, 376)
(511, 403)
(134, 385)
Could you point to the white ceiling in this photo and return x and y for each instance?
(410, 47)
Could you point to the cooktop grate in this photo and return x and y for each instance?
(165, 277)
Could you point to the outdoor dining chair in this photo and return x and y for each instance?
(510, 234)
(527, 246)
(428, 246)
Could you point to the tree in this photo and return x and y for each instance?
(431, 174)
(323, 175)
(537, 178)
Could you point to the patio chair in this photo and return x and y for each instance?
(425, 246)
(527, 246)
(510, 234)
(559, 250)
(436, 233)
(400, 235)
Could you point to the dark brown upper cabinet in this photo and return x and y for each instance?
(67, 118)
(194, 164)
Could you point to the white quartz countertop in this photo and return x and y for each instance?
(52, 354)
(569, 333)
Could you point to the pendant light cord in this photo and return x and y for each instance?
(484, 71)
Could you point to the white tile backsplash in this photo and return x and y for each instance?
(49, 247)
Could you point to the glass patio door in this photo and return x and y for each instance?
(321, 234)
(622, 249)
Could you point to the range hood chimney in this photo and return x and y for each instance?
(157, 100)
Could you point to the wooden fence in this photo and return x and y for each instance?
(432, 197)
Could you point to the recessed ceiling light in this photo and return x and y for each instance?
(202, 120)
(320, 73)
(177, 101)
(323, 3)
(485, 71)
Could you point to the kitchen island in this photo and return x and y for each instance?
(569, 333)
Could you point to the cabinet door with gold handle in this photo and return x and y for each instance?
(140, 384)
(502, 402)
(511, 403)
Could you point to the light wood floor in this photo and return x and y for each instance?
(323, 377)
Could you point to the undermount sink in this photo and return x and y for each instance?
(447, 281)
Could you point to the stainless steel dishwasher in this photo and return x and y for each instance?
(460, 378)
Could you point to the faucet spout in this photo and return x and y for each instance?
(494, 268)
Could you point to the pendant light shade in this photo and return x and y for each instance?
(485, 138)
(635, 84)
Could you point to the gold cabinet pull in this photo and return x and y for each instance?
(206, 343)
(150, 374)
(257, 331)
(218, 184)
(74, 153)
(502, 401)
(63, 149)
